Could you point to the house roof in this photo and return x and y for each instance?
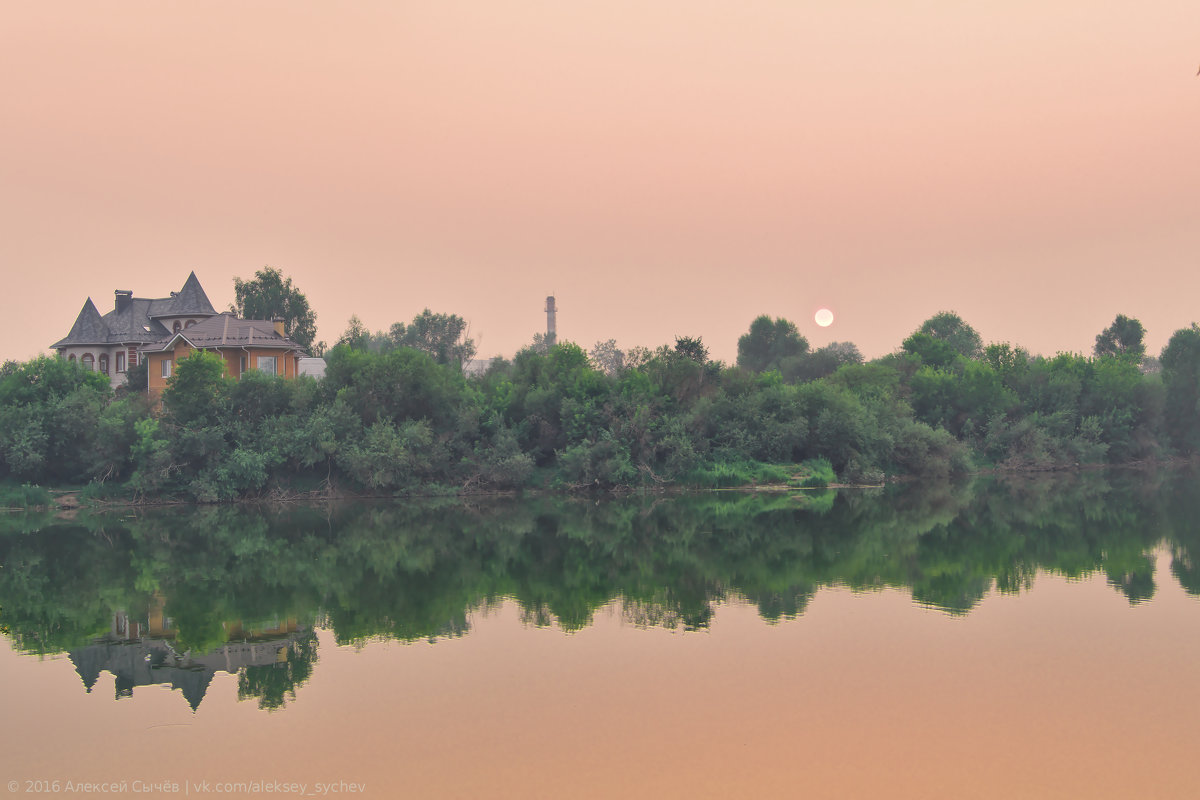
(136, 320)
(226, 330)
(188, 301)
(89, 328)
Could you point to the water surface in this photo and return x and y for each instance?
(1030, 638)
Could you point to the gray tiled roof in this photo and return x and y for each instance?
(137, 322)
(191, 299)
(226, 330)
(89, 328)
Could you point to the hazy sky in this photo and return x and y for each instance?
(664, 168)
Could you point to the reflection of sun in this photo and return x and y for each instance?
(824, 317)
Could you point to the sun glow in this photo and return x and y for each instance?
(823, 317)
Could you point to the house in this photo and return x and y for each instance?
(244, 344)
(111, 343)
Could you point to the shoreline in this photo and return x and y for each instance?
(68, 502)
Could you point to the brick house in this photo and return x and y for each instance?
(244, 344)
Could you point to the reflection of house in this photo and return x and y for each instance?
(141, 654)
(110, 343)
(244, 344)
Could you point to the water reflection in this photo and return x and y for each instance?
(173, 596)
(270, 660)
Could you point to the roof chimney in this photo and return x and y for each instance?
(278, 323)
(124, 299)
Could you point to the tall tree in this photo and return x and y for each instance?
(271, 295)
(948, 327)
(768, 343)
(1124, 339)
(691, 347)
(1181, 377)
(607, 357)
(442, 336)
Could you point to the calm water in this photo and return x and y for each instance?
(1030, 638)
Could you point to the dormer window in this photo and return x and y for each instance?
(176, 327)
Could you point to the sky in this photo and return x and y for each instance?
(663, 167)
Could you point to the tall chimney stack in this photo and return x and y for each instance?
(551, 328)
(124, 299)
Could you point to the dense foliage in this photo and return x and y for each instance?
(272, 296)
(396, 414)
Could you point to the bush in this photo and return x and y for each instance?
(23, 496)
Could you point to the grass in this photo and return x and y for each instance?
(23, 496)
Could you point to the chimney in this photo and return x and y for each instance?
(551, 325)
(124, 299)
(278, 323)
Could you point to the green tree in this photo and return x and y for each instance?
(1123, 339)
(691, 347)
(197, 393)
(442, 336)
(1181, 378)
(356, 336)
(948, 327)
(768, 343)
(136, 377)
(269, 296)
(607, 357)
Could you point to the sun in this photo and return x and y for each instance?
(823, 317)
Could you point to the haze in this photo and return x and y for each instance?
(663, 168)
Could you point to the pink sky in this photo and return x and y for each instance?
(664, 168)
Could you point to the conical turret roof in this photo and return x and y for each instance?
(89, 328)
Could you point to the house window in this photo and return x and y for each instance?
(166, 368)
(88, 361)
(243, 366)
(176, 327)
(104, 363)
(120, 363)
(190, 323)
(71, 358)
(268, 364)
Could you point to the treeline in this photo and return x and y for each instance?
(396, 414)
(416, 570)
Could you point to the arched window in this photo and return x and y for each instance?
(104, 363)
(88, 361)
(71, 357)
(176, 327)
(190, 323)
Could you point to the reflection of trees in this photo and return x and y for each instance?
(273, 684)
(417, 571)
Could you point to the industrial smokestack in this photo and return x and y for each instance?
(551, 327)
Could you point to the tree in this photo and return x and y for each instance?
(356, 335)
(136, 377)
(197, 392)
(1181, 377)
(269, 296)
(691, 347)
(948, 327)
(821, 362)
(607, 357)
(441, 336)
(1122, 339)
(768, 343)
